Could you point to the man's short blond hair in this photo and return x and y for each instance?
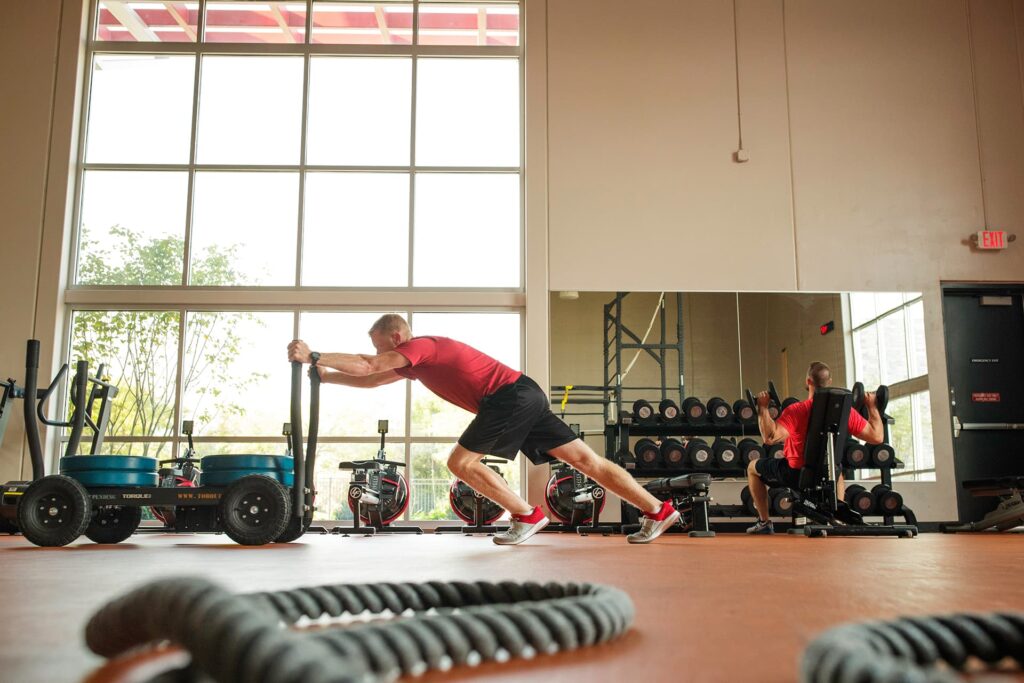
(389, 323)
(820, 374)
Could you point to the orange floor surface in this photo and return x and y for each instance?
(730, 608)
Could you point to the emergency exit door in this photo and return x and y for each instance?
(985, 359)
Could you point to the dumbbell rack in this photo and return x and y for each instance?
(617, 441)
(886, 475)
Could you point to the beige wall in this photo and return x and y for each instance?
(29, 37)
(880, 135)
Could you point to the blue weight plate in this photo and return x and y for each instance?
(92, 463)
(225, 477)
(97, 478)
(247, 462)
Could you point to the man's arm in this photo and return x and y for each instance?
(357, 365)
(874, 433)
(771, 432)
(364, 382)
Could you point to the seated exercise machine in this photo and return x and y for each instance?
(479, 513)
(1009, 513)
(254, 499)
(378, 494)
(816, 498)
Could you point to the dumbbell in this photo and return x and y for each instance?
(694, 411)
(780, 501)
(881, 399)
(727, 456)
(673, 453)
(643, 411)
(648, 455)
(882, 455)
(750, 450)
(747, 500)
(788, 402)
(776, 450)
(699, 454)
(887, 501)
(774, 402)
(856, 454)
(744, 412)
(719, 410)
(668, 410)
(860, 499)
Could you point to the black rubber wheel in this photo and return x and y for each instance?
(255, 510)
(113, 523)
(294, 530)
(54, 511)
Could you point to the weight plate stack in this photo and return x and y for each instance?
(110, 470)
(222, 470)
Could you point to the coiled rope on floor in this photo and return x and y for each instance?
(913, 649)
(242, 638)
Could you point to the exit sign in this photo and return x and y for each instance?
(990, 239)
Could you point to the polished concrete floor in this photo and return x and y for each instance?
(731, 608)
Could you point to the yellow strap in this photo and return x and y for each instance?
(565, 396)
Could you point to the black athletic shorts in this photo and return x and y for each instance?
(777, 472)
(516, 417)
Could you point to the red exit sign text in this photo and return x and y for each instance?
(990, 239)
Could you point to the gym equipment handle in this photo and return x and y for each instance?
(991, 426)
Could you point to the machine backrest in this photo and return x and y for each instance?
(830, 417)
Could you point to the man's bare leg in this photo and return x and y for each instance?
(758, 491)
(578, 455)
(466, 465)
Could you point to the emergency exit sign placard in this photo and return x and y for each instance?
(990, 239)
(986, 397)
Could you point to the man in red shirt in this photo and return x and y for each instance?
(791, 428)
(512, 415)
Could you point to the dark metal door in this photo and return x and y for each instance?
(985, 358)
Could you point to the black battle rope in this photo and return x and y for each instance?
(242, 638)
(907, 650)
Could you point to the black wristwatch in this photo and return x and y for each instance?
(314, 358)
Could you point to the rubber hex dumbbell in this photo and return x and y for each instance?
(673, 453)
(727, 456)
(744, 412)
(747, 500)
(719, 410)
(668, 410)
(882, 455)
(648, 455)
(858, 399)
(694, 411)
(780, 501)
(887, 501)
(776, 450)
(856, 454)
(882, 398)
(643, 411)
(774, 402)
(699, 454)
(860, 499)
(750, 450)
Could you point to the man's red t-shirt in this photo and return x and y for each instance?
(795, 419)
(456, 372)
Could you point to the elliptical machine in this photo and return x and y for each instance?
(378, 493)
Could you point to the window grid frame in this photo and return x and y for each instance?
(306, 50)
(912, 382)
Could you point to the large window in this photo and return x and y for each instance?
(887, 331)
(251, 171)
